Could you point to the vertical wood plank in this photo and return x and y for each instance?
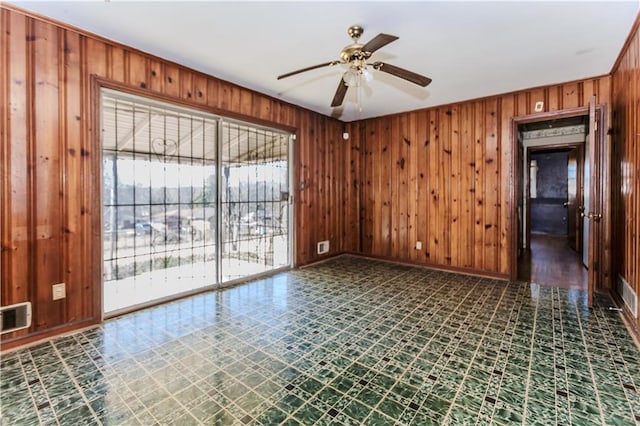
(306, 208)
(479, 213)
(423, 186)
(74, 273)
(137, 69)
(353, 184)
(186, 84)
(555, 98)
(455, 187)
(467, 167)
(435, 253)
(386, 188)
(491, 185)
(171, 80)
(370, 207)
(156, 76)
(395, 206)
(570, 95)
(413, 194)
(359, 177)
(117, 65)
(375, 160)
(15, 151)
(234, 98)
(246, 99)
(200, 89)
(445, 185)
(96, 59)
(320, 166)
(46, 169)
(213, 95)
(260, 107)
(506, 181)
(603, 88)
(588, 90)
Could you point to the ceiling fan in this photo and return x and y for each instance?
(355, 55)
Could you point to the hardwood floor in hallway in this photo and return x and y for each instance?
(552, 262)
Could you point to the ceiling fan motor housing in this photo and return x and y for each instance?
(353, 52)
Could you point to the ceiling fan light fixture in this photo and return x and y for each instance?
(368, 76)
(351, 77)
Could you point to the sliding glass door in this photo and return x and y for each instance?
(254, 200)
(189, 201)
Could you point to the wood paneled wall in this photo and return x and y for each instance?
(444, 176)
(50, 206)
(626, 162)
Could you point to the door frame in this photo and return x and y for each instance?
(97, 84)
(601, 252)
(579, 199)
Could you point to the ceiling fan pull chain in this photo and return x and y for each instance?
(359, 93)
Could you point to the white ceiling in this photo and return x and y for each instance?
(470, 49)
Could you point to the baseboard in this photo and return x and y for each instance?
(435, 267)
(32, 339)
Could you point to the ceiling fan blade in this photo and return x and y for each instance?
(313, 67)
(338, 98)
(418, 79)
(378, 41)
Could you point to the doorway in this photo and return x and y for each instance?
(553, 195)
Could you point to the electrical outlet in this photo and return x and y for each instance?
(418, 245)
(59, 291)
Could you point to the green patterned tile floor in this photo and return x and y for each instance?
(346, 342)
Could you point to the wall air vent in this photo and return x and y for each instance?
(323, 247)
(628, 295)
(15, 317)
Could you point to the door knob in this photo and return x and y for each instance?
(566, 204)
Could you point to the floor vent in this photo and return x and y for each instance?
(15, 317)
(628, 295)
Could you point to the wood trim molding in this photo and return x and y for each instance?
(432, 266)
(39, 336)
